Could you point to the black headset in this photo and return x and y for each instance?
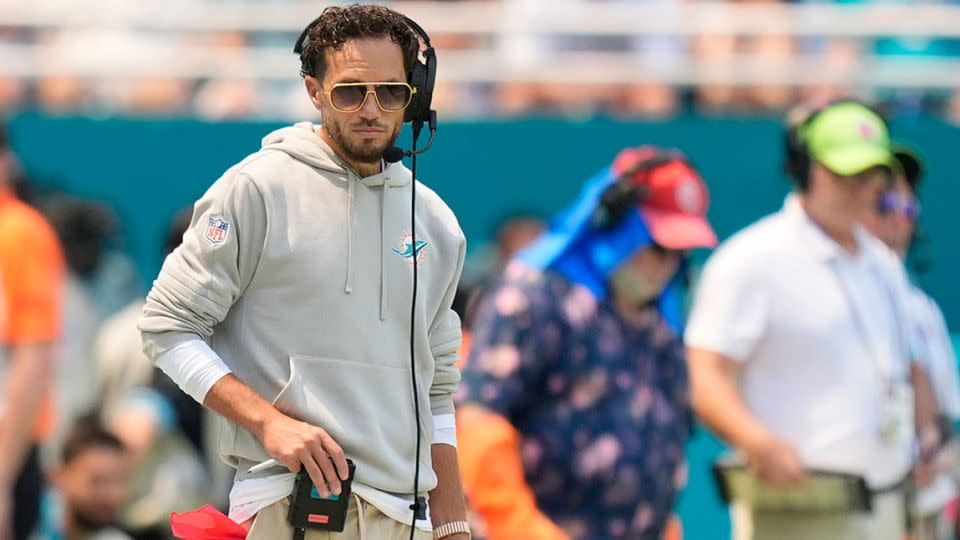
(624, 194)
(422, 74)
(797, 159)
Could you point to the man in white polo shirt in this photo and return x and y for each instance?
(798, 349)
(895, 223)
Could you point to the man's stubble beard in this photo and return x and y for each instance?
(357, 153)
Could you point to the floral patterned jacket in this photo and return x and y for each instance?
(602, 406)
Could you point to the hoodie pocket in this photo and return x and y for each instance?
(367, 409)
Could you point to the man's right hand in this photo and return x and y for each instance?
(776, 463)
(295, 444)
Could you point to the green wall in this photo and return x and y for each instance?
(148, 169)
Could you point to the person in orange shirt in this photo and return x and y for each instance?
(31, 275)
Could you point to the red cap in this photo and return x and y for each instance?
(675, 206)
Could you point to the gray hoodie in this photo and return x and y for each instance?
(299, 274)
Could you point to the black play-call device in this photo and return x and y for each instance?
(309, 510)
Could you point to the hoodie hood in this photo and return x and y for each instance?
(585, 255)
(302, 142)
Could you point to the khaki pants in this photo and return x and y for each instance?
(886, 522)
(364, 522)
(935, 527)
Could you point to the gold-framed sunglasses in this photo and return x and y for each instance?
(390, 96)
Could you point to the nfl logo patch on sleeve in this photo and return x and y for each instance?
(217, 230)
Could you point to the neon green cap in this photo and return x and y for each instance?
(848, 138)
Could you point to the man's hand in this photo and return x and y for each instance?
(717, 400)
(931, 459)
(292, 442)
(295, 443)
(776, 463)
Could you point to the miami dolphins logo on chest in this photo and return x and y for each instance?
(410, 252)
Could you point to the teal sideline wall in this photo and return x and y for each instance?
(147, 169)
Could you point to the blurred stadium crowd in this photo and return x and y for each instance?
(231, 59)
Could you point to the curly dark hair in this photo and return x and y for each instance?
(337, 25)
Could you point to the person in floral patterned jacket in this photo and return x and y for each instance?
(574, 405)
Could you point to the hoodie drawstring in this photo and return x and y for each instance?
(383, 247)
(361, 516)
(348, 287)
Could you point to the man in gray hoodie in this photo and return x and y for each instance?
(287, 307)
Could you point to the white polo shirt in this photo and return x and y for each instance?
(936, 352)
(821, 335)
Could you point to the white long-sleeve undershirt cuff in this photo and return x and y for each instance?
(194, 366)
(445, 429)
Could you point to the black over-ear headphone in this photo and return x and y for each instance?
(624, 194)
(797, 154)
(422, 74)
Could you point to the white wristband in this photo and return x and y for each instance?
(445, 429)
(194, 366)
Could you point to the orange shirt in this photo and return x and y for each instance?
(31, 282)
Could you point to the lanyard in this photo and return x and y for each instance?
(885, 373)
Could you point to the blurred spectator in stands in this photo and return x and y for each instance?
(575, 406)
(31, 289)
(158, 96)
(85, 228)
(59, 91)
(226, 97)
(101, 68)
(768, 51)
(13, 93)
(919, 50)
(515, 232)
(61, 94)
(521, 50)
(106, 68)
(456, 99)
(13, 90)
(104, 277)
(758, 55)
(484, 267)
(835, 59)
(163, 428)
(120, 365)
(12, 176)
(90, 483)
(895, 223)
(713, 54)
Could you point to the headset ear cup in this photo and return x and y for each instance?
(416, 80)
(429, 79)
(614, 204)
(797, 165)
(617, 200)
(422, 77)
